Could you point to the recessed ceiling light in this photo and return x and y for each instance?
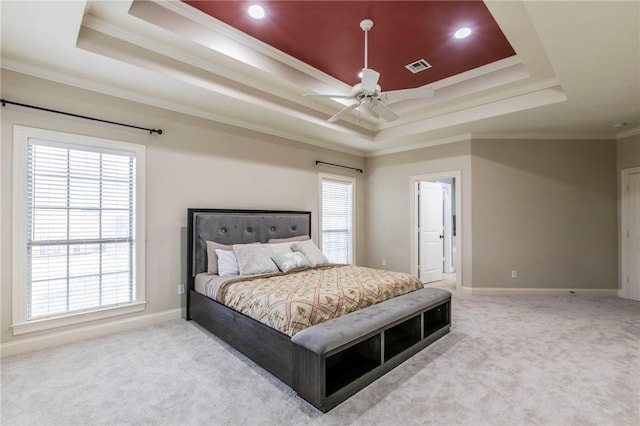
(618, 125)
(463, 32)
(256, 11)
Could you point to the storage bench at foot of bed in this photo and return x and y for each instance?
(336, 359)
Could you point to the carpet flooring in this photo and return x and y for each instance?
(566, 360)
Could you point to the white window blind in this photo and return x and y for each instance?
(337, 219)
(80, 229)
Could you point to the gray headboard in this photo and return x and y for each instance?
(239, 227)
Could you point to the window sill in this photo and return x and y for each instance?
(76, 318)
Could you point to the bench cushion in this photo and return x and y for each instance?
(327, 336)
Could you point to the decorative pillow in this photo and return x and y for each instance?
(212, 257)
(291, 261)
(280, 248)
(254, 259)
(227, 263)
(311, 252)
(290, 239)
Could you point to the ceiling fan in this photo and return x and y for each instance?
(368, 91)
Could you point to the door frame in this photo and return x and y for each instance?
(413, 215)
(448, 228)
(623, 287)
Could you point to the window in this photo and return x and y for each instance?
(79, 230)
(337, 217)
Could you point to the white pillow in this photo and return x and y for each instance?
(280, 248)
(212, 257)
(311, 252)
(254, 259)
(227, 263)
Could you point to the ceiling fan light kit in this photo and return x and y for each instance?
(368, 91)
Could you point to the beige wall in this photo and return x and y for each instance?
(546, 208)
(193, 164)
(388, 200)
(628, 152)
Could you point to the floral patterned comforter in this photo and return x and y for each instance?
(294, 301)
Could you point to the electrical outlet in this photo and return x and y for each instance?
(514, 274)
(180, 289)
(384, 262)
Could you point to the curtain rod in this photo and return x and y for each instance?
(151, 131)
(338, 165)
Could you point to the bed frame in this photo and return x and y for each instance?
(327, 363)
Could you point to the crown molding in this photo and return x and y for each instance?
(627, 133)
(113, 91)
(480, 71)
(442, 141)
(82, 83)
(542, 136)
(549, 88)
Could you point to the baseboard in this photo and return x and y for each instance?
(69, 336)
(495, 291)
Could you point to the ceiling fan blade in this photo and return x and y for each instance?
(402, 94)
(339, 115)
(375, 114)
(369, 80)
(384, 111)
(328, 96)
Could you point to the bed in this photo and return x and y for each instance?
(324, 363)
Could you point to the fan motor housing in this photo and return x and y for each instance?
(359, 94)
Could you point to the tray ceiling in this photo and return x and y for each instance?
(529, 69)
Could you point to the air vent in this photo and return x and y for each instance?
(417, 66)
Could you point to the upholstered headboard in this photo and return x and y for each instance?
(239, 227)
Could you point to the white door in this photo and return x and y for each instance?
(430, 232)
(633, 241)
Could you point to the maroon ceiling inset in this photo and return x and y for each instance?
(326, 35)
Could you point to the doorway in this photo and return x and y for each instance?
(630, 241)
(435, 229)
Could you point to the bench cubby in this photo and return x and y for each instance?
(350, 364)
(436, 318)
(400, 337)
